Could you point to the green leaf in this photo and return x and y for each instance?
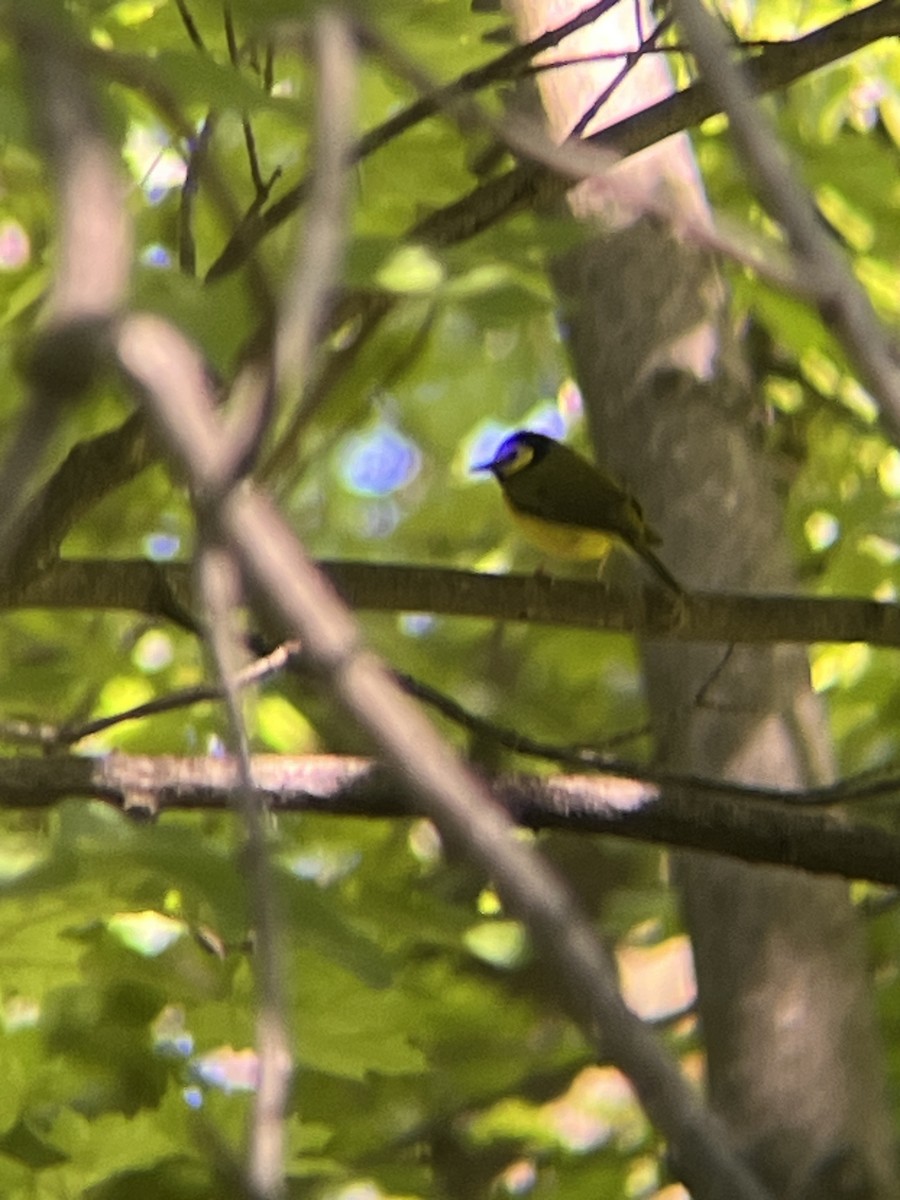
(177, 1178)
(22, 1143)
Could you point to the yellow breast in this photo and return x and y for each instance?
(563, 541)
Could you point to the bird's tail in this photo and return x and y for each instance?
(661, 570)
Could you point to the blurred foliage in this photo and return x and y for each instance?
(432, 1057)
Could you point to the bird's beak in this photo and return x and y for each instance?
(485, 466)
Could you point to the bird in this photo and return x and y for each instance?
(569, 508)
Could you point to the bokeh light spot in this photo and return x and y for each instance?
(148, 933)
(889, 472)
(822, 530)
(15, 246)
(379, 462)
(546, 418)
(228, 1069)
(156, 255)
(161, 547)
(153, 652)
(569, 400)
(417, 624)
(156, 165)
(484, 443)
(378, 519)
(519, 1177)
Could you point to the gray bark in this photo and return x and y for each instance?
(794, 1062)
(793, 1054)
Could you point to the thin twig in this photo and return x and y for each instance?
(189, 24)
(631, 61)
(260, 187)
(578, 160)
(220, 590)
(841, 299)
(878, 784)
(252, 675)
(776, 67)
(503, 67)
(316, 271)
(198, 152)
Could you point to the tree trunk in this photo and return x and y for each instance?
(792, 1050)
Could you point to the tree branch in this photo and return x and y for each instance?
(164, 590)
(774, 67)
(840, 298)
(752, 830)
(93, 260)
(163, 369)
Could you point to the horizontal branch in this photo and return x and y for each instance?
(164, 590)
(760, 831)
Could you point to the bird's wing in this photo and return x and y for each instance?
(573, 492)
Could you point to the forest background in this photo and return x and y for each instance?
(269, 268)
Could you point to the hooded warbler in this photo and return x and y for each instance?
(569, 508)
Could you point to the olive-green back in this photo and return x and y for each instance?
(563, 487)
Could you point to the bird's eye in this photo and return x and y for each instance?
(519, 458)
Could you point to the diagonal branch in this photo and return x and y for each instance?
(841, 299)
(774, 67)
(161, 367)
